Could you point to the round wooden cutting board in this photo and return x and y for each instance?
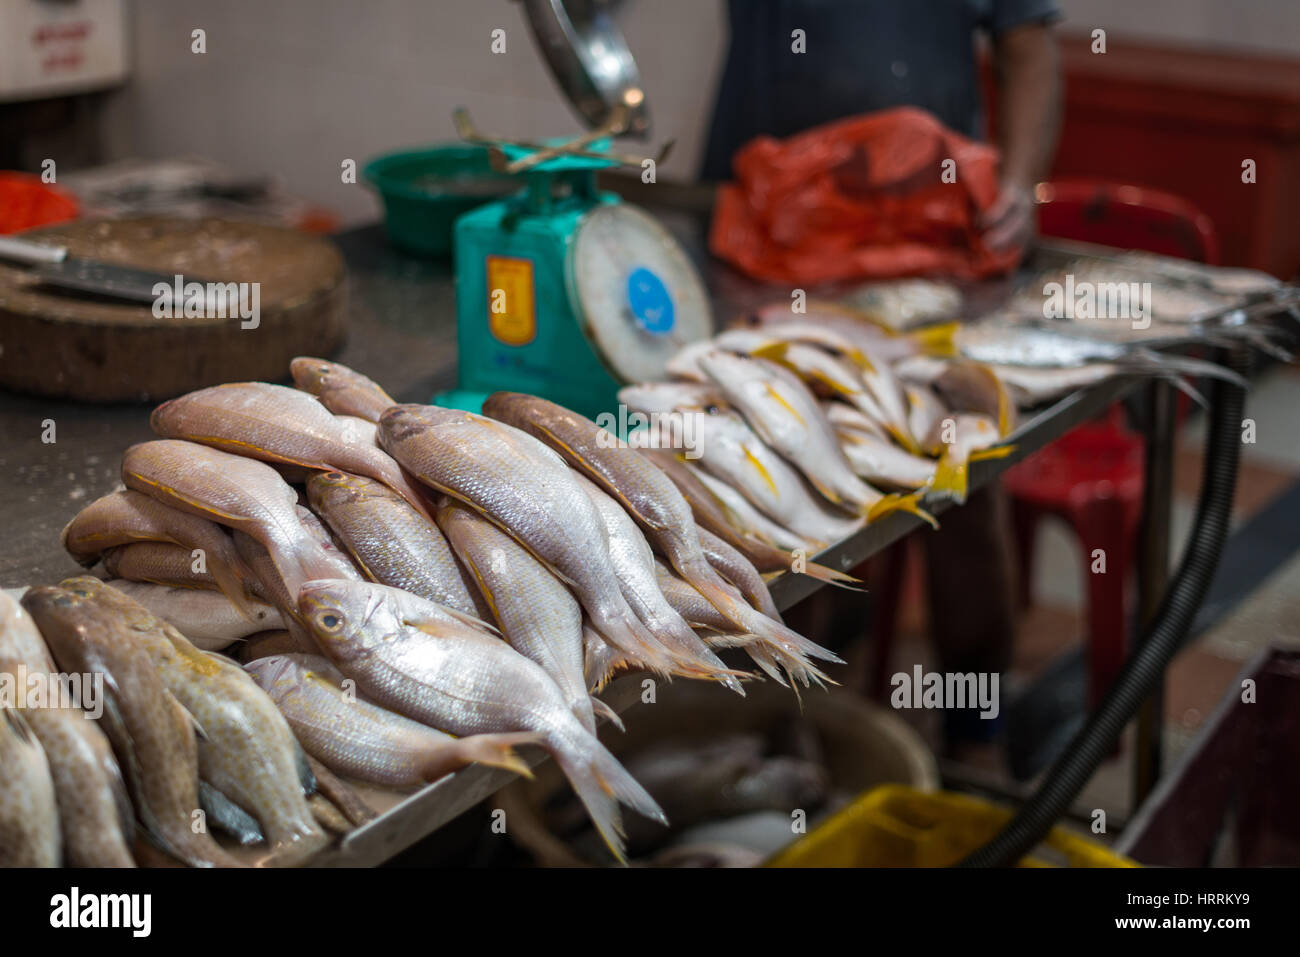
(61, 345)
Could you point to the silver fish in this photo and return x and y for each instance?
(207, 618)
(392, 542)
(364, 741)
(536, 613)
(340, 389)
(465, 682)
(634, 562)
(527, 490)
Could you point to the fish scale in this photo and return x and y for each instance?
(394, 543)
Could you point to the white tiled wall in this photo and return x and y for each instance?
(293, 87)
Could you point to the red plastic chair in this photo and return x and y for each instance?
(1093, 476)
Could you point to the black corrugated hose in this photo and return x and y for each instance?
(1096, 740)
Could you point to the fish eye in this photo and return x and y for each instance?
(330, 622)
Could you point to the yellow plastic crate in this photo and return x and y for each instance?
(897, 826)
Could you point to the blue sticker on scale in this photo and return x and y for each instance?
(650, 302)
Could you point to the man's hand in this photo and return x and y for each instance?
(1010, 221)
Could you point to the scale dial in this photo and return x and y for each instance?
(635, 292)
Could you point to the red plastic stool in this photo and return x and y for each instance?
(1092, 479)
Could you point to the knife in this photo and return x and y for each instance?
(52, 266)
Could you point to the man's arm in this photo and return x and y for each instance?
(1028, 72)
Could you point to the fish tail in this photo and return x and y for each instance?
(602, 710)
(494, 750)
(790, 641)
(624, 631)
(696, 660)
(706, 580)
(1160, 363)
(596, 796)
(952, 475)
(731, 639)
(911, 502)
(937, 339)
(232, 575)
(830, 576)
(904, 437)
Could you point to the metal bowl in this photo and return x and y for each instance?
(590, 60)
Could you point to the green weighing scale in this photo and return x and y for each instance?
(564, 291)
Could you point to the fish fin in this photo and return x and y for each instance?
(949, 477)
(937, 340)
(639, 647)
(903, 437)
(494, 750)
(731, 639)
(911, 502)
(993, 452)
(830, 576)
(228, 816)
(759, 467)
(231, 576)
(781, 400)
(775, 350)
(603, 710)
(716, 591)
(1145, 360)
(188, 719)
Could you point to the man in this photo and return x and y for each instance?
(864, 55)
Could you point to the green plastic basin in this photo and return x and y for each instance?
(425, 190)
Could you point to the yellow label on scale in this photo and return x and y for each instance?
(512, 312)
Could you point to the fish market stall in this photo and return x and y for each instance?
(391, 340)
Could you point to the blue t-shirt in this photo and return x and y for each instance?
(860, 56)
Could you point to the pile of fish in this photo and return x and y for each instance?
(409, 589)
(787, 432)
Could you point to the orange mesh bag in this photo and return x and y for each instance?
(861, 198)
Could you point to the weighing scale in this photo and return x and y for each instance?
(564, 291)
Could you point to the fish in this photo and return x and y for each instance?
(29, 819)
(756, 340)
(874, 391)
(883, 463)
(927, 411)
(464, 682)
(246, 749)
(95, 818)
(868, 334)
(753, 522)
(275, 590)
(127, 516)
(360, 740)
(527, 490)
(787, 417)
(601, 661)
(656, 398)
(539, 617)
(240, 493)
(689, 603)
(152, 734)
(1000, 342)
(634, 563)
(206, 618)
(974, 438)
(391, 542)
(622, 472)
(738, 457)
(20, 639)
(844, 417)
(962, 385)
(737, 569)
(172, 566)
(340, 389)
(904, 303)
(277, 424)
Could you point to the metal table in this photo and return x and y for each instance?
(403, 334)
